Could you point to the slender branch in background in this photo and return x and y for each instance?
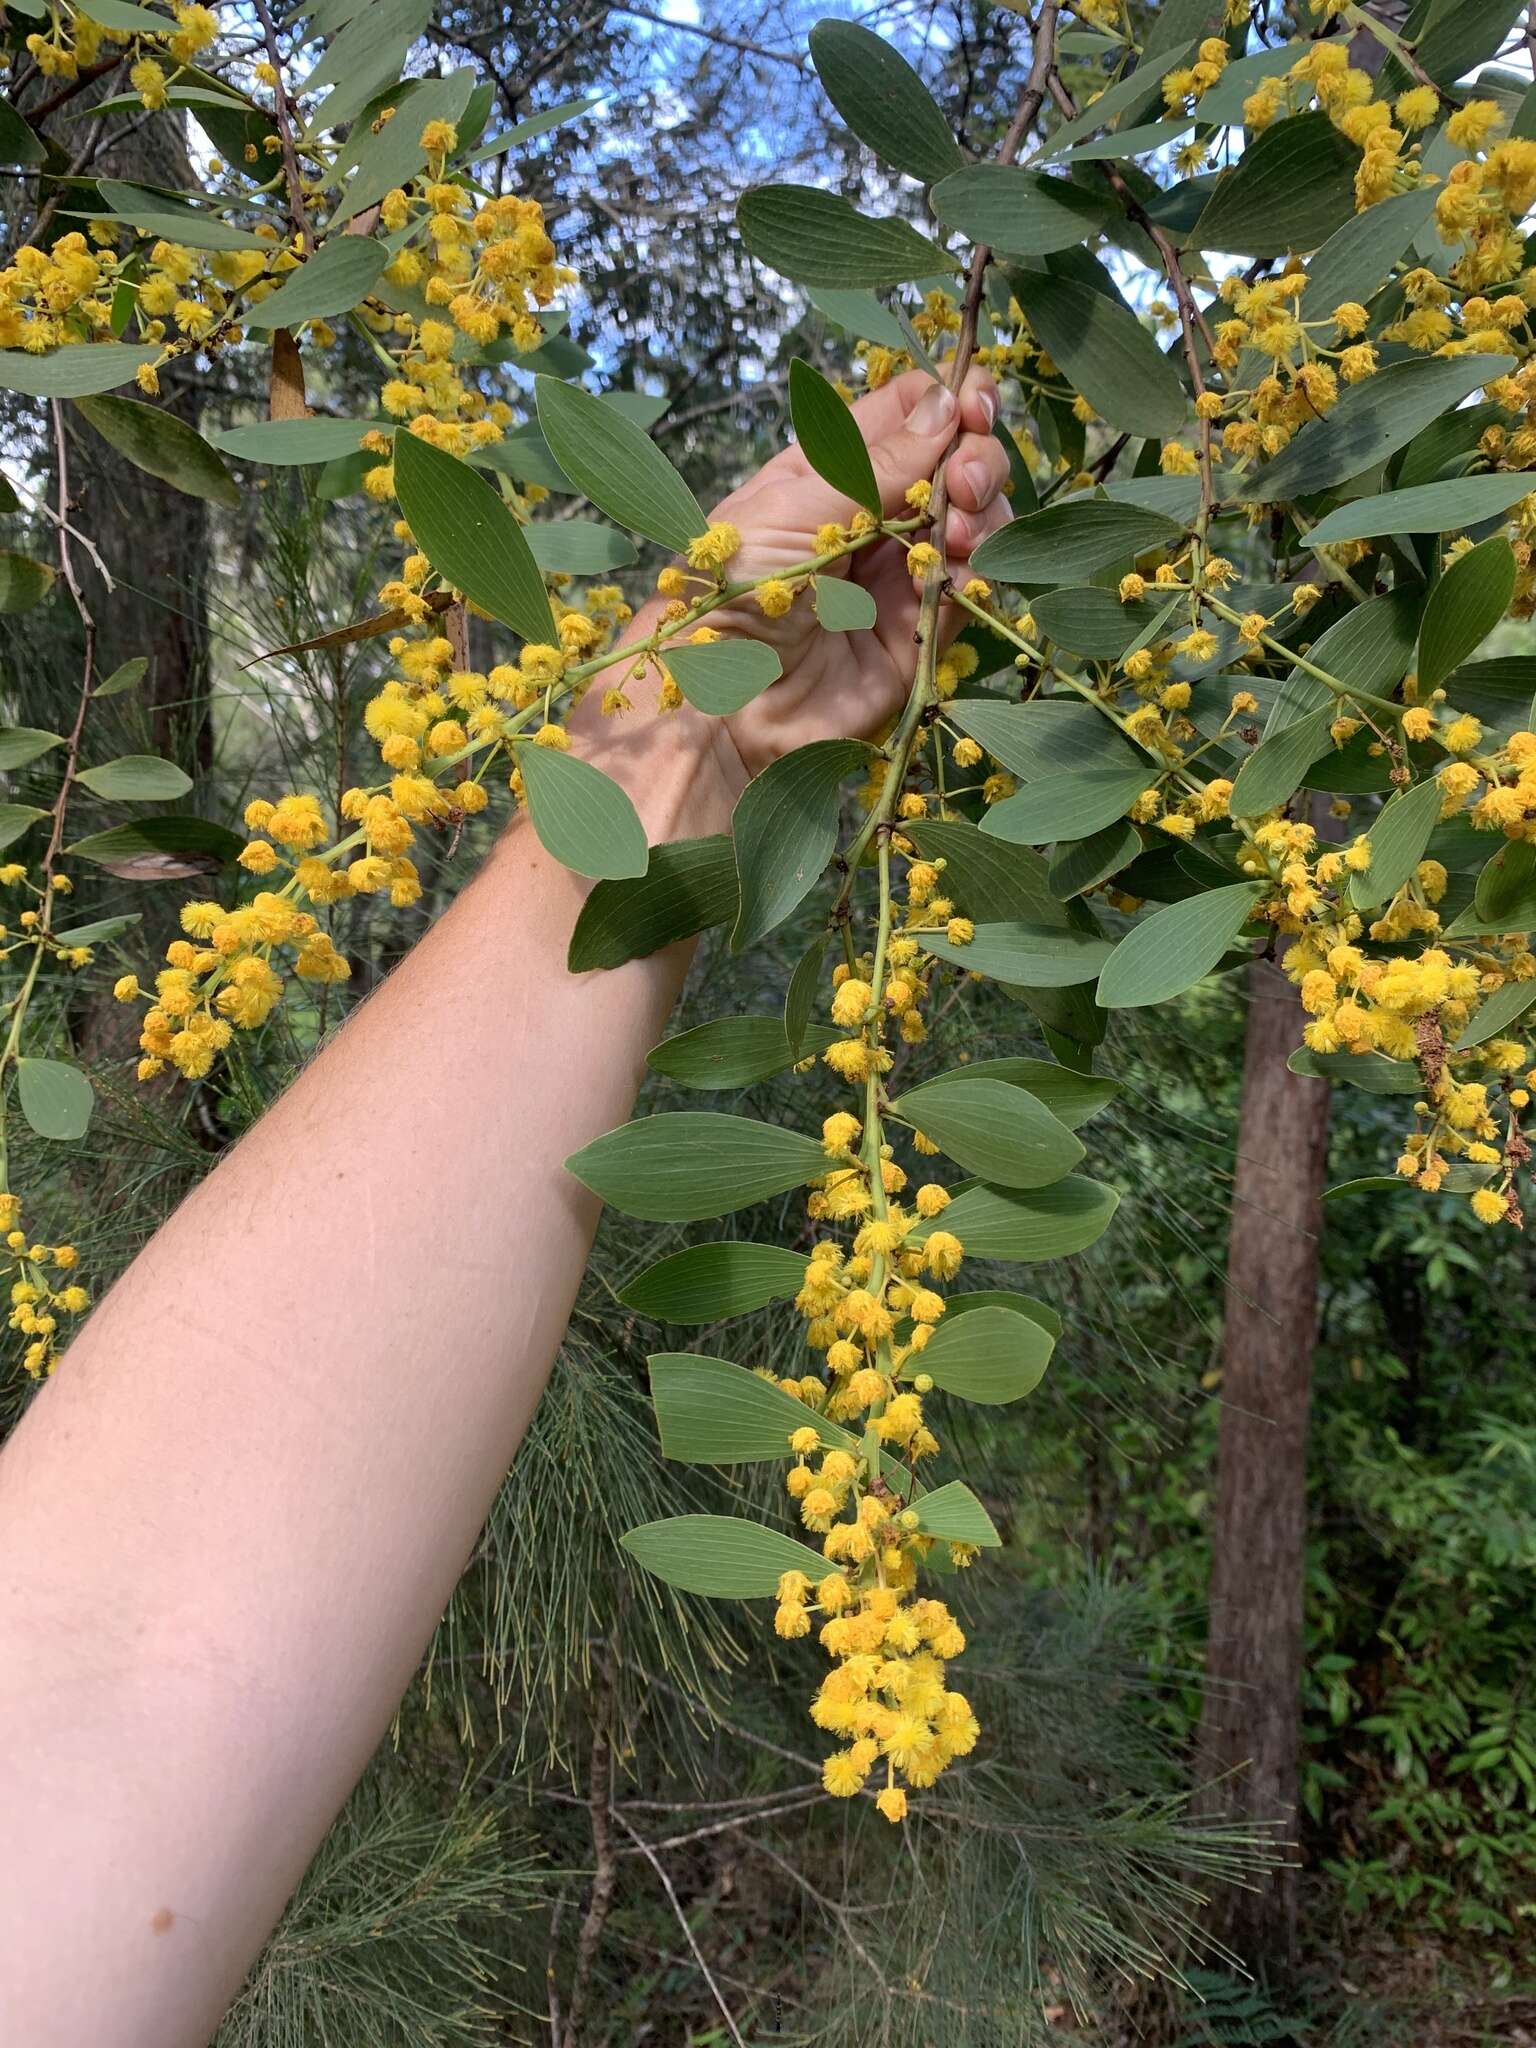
(46, 511)
(713, 35)
(83, 77)
(682, 1920)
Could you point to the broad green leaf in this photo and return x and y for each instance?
(136, 778)
(365, 57)
(1367, 1184)
(998, 1297)
(800, 996)
(1358, 257)
(1447, 448)
(1291, 188)
(1506, 888)
(1367, 1070)
(992, 1355)
(1370, 421)
(56, 1099)
(1068, 806)
(1091, 620)
(1461, 34)
(1017, 211)
(130, 20)
(859, 314)
(233, 128)
(1045, 736)
(1128, 142)
(883, 100)
(688, 1164)
(99, 930)
(1106, 355)
(720, 1556)
(710, 1281)
(1111, 103)
(1081, 864)
(18, 144)
(340, 275)
(160, 849)
(733, 1052)
(710, 1412)
(785, 831)
(992, 1128)
(1499, 692)
(23, 582)
(954, 1513)
(1444, 507)
(535, 124)
(1067, 543)
(16, 819)
(829, 436)
(159, 217)
(127, 676)
(164, 446)
(1026, 955)
(1464, 607)
(617, 465)
(578, 547)
(1072, 1098)
(379, 159)
(1174, 948)
(723, 675)
(1496, 1013)
(466, 532)
(1222, 103)
(1169, 30)
(1277, 767)
(1397, 839)
(688, 885)
(816, 238)
(989, 880)
(72, 372)
(1372, 645)
(1026, 1225)
(841, 606)
(581, 815)
(286, 444)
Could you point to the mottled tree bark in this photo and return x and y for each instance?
(1251, 1722)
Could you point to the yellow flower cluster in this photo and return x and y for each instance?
(1406, 1005)
(40, 1291)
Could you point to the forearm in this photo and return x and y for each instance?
(289, 1418)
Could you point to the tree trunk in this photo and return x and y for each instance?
(1250, 1725)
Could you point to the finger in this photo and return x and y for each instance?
(978, 401)
(964, 532)
(976, 472)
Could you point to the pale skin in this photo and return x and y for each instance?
(230, 1522)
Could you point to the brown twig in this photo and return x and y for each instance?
(605, 1866)
(682, 1920)
(292, 175)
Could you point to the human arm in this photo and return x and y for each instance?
(229, 1525)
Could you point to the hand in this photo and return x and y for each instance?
(834, 685)
(849, 685)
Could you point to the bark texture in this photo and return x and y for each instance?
(1251, 1720)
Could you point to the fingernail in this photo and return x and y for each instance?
(978, 480)
(935, 409)
(989, 404)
